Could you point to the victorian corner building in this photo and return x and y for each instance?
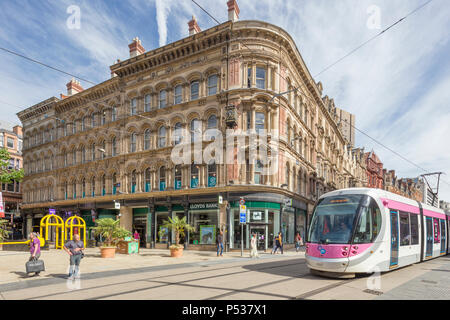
(95, 149)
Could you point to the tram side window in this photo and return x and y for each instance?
(405, 234)
(414, 228)
(369, 224)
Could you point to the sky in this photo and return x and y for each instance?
(397, 86)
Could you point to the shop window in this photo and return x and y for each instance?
(212, 84)
(194, 90)
(147, 103)
(178, 97)
(178, 177)
(162, 178)
(206, 227)
(162, 99)
(405, 235)
(194, 176)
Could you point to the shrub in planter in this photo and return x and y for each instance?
(112, 233)
(179, 226)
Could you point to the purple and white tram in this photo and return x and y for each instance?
(362, 230)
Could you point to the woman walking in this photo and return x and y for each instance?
(254, 247)
(298, 241)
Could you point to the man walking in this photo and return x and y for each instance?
(220, 243)
(75, 249)
(278, 243)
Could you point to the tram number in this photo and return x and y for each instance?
(246, 309)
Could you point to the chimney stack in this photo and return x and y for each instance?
(18, 130)
(136, 48)
(193, 26)
(73, 87)
(233, 10)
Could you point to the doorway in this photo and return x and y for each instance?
(429, 250)
(394, 239)
(261, 235)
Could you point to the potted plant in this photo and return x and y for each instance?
(3, 230)
(179, 226)
(110, 230)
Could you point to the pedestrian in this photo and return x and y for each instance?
(75, 249)
(220, 243)
(35, 248)
(298, 241)
(136, 236)
(254, 247)
(278, 243)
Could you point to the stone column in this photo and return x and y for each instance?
(126, 219)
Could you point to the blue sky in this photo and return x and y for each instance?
(398, 86)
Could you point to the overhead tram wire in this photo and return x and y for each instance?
(45, 65)
(339, 60)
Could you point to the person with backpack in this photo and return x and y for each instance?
(75, 249)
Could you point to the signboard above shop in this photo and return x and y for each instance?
(203, 206)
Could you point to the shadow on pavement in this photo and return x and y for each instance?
(289, 268)
(23, 275)
(154, 255)
(57, 275)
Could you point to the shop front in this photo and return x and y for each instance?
(140, 216)
(204, 217)
(164, 236)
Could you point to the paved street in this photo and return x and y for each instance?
(201, 275)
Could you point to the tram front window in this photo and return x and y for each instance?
(333, 219)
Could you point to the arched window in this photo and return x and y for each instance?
(74, 157)
(83, 123)
(194, 176)
(196, 133)
(93, 187)
(113, 146)
(148, 180)
(113, 113)
(103, 185)
(147, 103)
(212, 174)
(178, 94)
(93, 124)
(133, 142)
(103, 153)
(83, 188)
(83, 154)
(259, 122)
(133, 106)
(162, 99)
(133, 182)
(162, 137)
(93, 152)
(258, 172)
(65, 129)
(212, 122)
(74, 127)
(212, 84)
(147, 139)
(178, 177)
(162, 178)
(65, 190)
(114, 184)
(194, 90)
(74, 189)
(177, 137)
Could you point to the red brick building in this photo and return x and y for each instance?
(374, 170)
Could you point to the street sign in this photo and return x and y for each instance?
(220, 200)
(243, 214)
(117, 205)
(242, 201)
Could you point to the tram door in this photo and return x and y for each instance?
(429, 250)
(394, 238)
(443, 237)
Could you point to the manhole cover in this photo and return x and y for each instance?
(375, 292)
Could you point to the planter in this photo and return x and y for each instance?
(108, 252)
(176, 252)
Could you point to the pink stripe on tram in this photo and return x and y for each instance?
(395, 205)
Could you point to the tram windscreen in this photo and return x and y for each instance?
(333, 219)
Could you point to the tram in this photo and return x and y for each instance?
(363, 230)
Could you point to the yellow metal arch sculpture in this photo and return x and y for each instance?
(80, 224)
(56, 221)
(41, 240)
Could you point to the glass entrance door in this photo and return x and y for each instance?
(443, 237)
(429, 250)
(394, 239)
(260, 232)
